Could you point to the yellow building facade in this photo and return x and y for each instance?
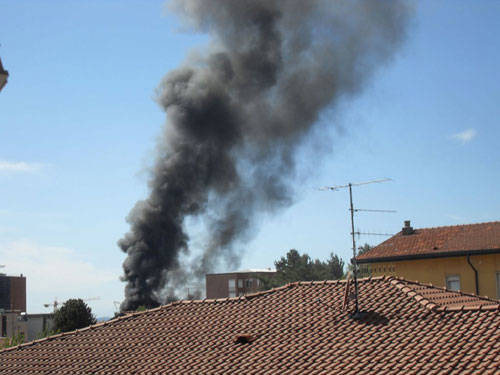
(455, 270)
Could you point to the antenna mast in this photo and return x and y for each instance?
(353, 233)
(354, 262)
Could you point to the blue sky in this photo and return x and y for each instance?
(78, 129)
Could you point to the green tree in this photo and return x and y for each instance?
(73, 314)
(363, 269)
(296, 267)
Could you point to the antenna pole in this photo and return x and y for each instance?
(354, 263)
(357, 313)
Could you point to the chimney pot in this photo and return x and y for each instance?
(407, 229)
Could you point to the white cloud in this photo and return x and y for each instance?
(465, 136)
(53, 271)
(19, 166)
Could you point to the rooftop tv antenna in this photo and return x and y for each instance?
(353, 233)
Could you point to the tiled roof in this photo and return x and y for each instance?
(296, 329)
(439, 241)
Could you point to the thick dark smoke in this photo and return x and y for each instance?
(236, 115)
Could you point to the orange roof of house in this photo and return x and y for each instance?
(300, 328)
(437, 242)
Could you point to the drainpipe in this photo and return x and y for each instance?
(475, 274)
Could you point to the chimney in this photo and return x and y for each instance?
(407, 229)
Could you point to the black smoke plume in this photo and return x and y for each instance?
(236, 115)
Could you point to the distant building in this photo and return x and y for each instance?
(13, 317)
(232, 284)
(12, 293)
(459, 257)
(35, 325)
(31, 326)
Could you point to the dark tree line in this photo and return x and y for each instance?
(300, 267)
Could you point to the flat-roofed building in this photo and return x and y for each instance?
(237, 283)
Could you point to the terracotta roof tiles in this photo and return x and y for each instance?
(439, 241)
(406, 328)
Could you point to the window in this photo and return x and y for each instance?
(453, 282)
(231, 284)
(248, 283)
(240, 283)
(498, 285)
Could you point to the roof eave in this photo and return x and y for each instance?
(443, 254)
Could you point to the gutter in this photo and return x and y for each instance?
(443, 254)
(476, 280)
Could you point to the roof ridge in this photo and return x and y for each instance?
(401, 282)
(484, 298)
(460, 225)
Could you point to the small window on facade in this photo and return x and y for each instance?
(498, 284)
(453, 282)
(248, 283)
(231, 286)
(240, 283)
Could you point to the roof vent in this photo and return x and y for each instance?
(407, 229)
(244, 339)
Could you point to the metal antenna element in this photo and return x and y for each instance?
(338, 187)
(353, 233)
(373, 234)
(368, 210)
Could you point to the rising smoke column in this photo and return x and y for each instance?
(236, 116)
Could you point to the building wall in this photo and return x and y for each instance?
(217, 285)
(13, 293)
(30, 325)
(37, 324)
(436, 270)
(11, 326)
(18, 293)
